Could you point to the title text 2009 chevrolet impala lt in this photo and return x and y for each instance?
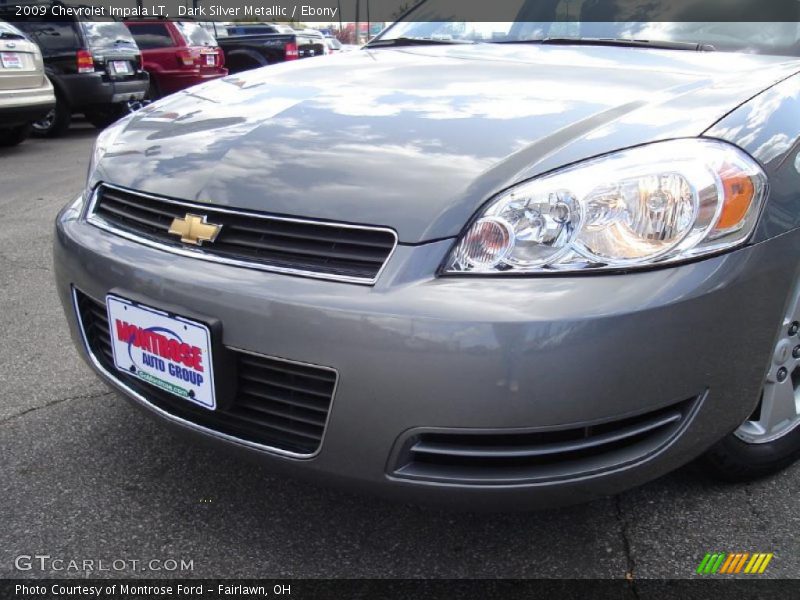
(496, 264)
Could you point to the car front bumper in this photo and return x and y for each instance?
(418, 353)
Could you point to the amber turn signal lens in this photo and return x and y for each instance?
(739, 191)
(486, 243)
(662, 202)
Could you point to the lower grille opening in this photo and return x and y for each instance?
(488, 458)
(277, 403)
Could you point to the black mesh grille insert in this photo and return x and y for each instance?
(324, 249)
(486, 458)
(279, 404)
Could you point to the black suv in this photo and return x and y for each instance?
(95, 67)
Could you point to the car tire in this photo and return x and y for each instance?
(244, 62)
(15, 135)
(105, 116)
(734, 460)
(55, 123)
(769, 440)
(153, 91)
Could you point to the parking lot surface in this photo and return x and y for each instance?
(86, 476)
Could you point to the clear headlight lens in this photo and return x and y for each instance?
(663, 202)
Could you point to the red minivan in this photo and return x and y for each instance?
(177, 54)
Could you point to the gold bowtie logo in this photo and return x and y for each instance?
(193, 229)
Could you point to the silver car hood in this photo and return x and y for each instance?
(418, 138)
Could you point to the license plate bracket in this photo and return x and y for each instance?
(177, 342)
(120, 67)
(11, 60)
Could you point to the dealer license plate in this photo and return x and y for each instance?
(121, 67)
(168, 351)
(11, 60)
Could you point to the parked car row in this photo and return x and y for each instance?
(94, 68)
(253, 50)
(56, 66)
(253, 45)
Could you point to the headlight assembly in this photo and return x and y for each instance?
(663, 202)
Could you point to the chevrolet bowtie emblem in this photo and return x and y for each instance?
(193, 229)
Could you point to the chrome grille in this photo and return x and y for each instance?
(312, 248)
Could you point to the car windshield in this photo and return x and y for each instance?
(195, 34)
(215, 30)
(102, 34)
(546, 21)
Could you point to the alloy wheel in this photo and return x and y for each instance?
(778, 412)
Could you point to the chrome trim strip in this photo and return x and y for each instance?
(123, 387)
(199, 253)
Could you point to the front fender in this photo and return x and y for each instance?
(768, 127)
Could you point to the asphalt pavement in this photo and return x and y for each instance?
(85, 476)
